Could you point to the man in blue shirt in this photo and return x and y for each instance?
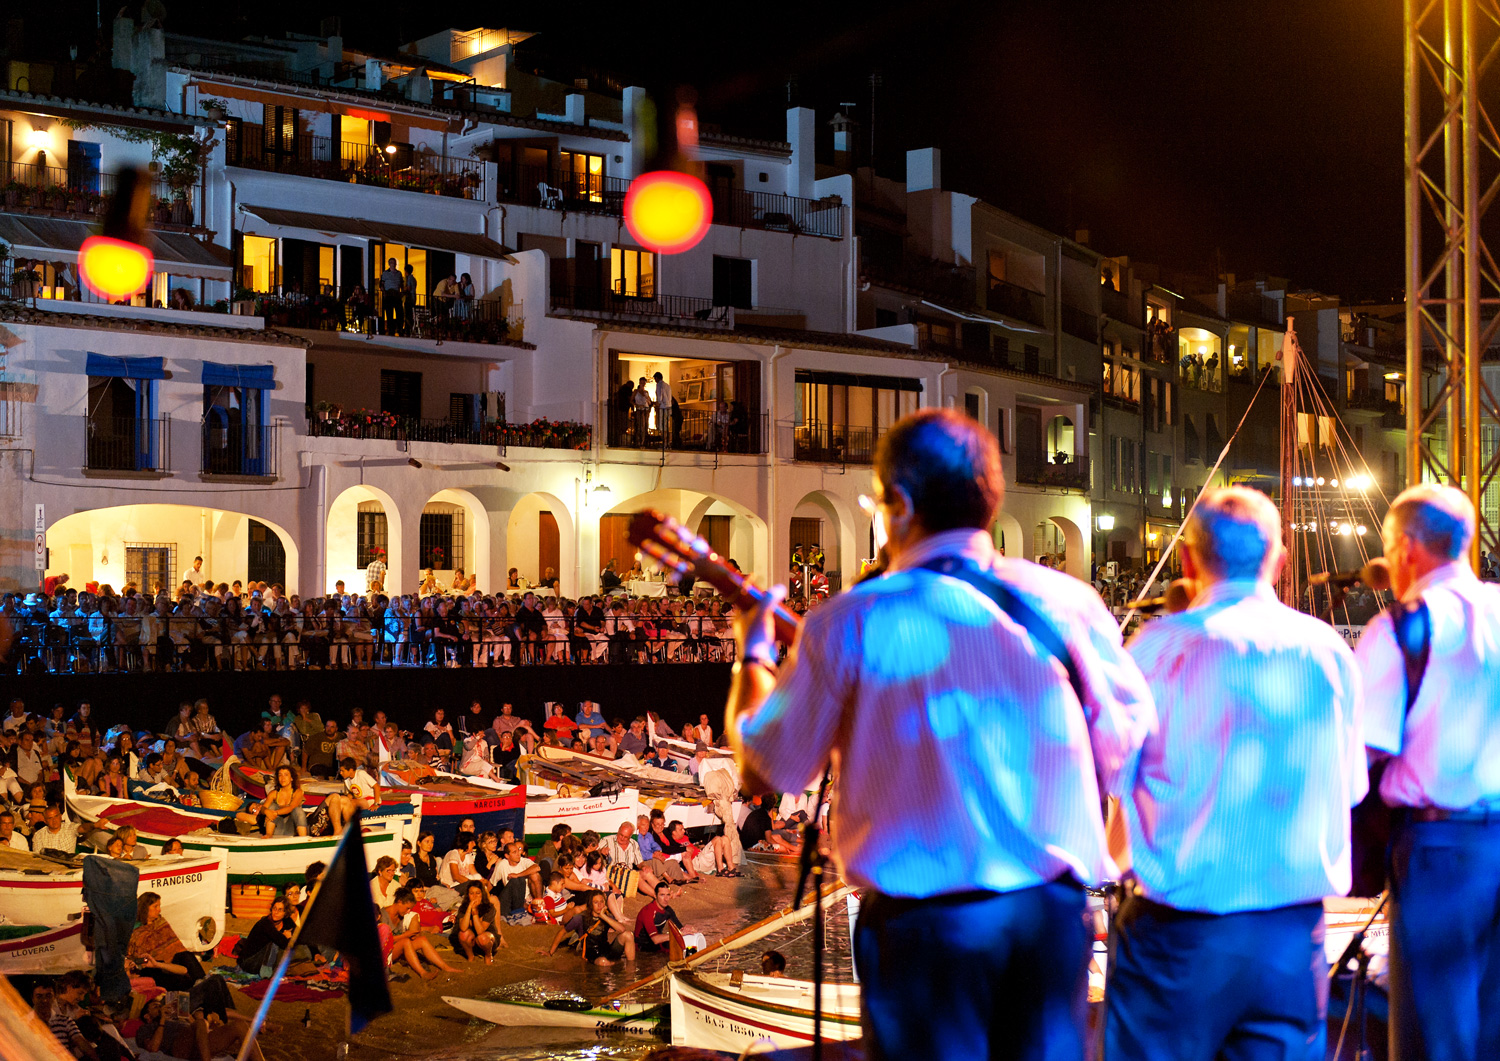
(589, 720)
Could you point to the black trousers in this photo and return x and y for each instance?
(976, 975)
(1187, 986)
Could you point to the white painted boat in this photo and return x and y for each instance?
(44, 952)
(193, 888)
(603, 814)
(620, 1018)
(1344, 916)
(251, 859)
(725, 1011)
(567, 772)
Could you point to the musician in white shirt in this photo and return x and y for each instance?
(971, 939)
(1239, 810)
(1442, 775)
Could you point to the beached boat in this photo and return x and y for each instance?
(1343, 916)
(575, 774)
(47, 891)
(404, 818)
(251, 859)
(445, 799)
(622, 1018)
(34, 950)
(729, 1011)
(603, 814)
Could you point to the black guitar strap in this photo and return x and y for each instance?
(1021, 613)
(1412, 625)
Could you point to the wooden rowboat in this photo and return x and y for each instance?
(623, 1018)
(33, 950)
(728, 1011)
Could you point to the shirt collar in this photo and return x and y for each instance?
(967, 543)
(1230, 590)
(1453, 571)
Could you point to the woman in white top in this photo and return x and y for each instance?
(383, 884)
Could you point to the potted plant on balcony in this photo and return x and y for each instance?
(215, 108)
(13, 190)
(327, 411)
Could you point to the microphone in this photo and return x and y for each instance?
(1177, 598)
(1376, 574)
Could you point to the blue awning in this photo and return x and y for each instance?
(256, 377)
(126, 367)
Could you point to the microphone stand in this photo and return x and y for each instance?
(810, 867)
(1356, 952)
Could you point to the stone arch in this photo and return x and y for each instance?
(1077, 550)
(471, 539)
(90, 546)
(1008, 536)
(1060, 436)
(749, 537)
(841, 546)
(523, 545)
(341, 538)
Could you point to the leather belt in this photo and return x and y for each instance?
(1483, 815)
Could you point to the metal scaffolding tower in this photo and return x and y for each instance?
(1452, 178)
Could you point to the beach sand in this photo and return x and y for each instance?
(422, 1024)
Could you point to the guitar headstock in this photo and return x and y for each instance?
(671, 545)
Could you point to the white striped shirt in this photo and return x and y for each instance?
(1242, 797)
(1447, 752)
(966, 761)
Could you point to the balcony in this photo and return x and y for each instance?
(1120, 307)
(126, 444)
(1375, 402)
(1028, 360)
(391, 427)
(941, 281)
(473, 321)
(693, 431)
(1080, 323)
(240, 451)
(683, 309)
(51, 191)
(821, 443)
(1071, 473)
(550, 188)
(1013, 300)
(305, 155)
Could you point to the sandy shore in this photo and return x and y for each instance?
(423, 1024)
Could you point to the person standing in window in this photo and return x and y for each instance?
(662, 401)
(408, 299)
(390, 298)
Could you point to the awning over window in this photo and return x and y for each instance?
(257, 377)
(470, 243)
(849, 379)
(126, 367)
(50, 239)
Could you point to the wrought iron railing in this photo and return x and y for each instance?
(732, 430)
(424, 317)
(685, 308)
(1012, 300)
(1071, 473)
(126, 444)
(395, 166)
(85, 194)
(240, 449)
(834, 443)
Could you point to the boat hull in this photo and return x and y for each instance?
(46, 952)
(603, 814)
(718, 1015)
(632, 1019)
(192, 887)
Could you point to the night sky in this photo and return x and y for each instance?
(1203, 135)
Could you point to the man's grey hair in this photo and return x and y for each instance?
(1440, 517)
(1233, 531)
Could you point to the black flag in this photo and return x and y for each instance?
(342, 915)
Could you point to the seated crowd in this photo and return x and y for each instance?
(212, 625)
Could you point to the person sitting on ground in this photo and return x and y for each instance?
(383, 885)
(674, 846)
(557, 905)
(477, 925)
(267, 940)
(79, 1027)
(156, 952)
(603, 938)
(553, 847)
(517, 875)
(651, 922)
(401, 936)
(457, 867)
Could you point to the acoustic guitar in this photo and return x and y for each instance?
(678, 549)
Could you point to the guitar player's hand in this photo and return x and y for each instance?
(753, 628)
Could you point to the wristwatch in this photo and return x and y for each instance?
(761, 655)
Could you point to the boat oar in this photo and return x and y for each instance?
(749, 934)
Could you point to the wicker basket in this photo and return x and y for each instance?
(251, 900)
(213, 799)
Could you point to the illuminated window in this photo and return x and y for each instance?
(258, 263)
(584, 175)
(632, 273)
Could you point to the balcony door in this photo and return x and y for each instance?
(1028, 437)
(266, 561)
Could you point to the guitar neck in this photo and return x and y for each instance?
(743, 594)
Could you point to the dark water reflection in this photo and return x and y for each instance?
(762, 891)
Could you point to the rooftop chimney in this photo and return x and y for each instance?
(845, 136)
(924, 169)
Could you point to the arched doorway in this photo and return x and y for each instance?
(539, 535)
(153, 545)
(822, 519)
(730, 528)
(454, 533)
(1075, 560)
(1060, 439)
(363, 525)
